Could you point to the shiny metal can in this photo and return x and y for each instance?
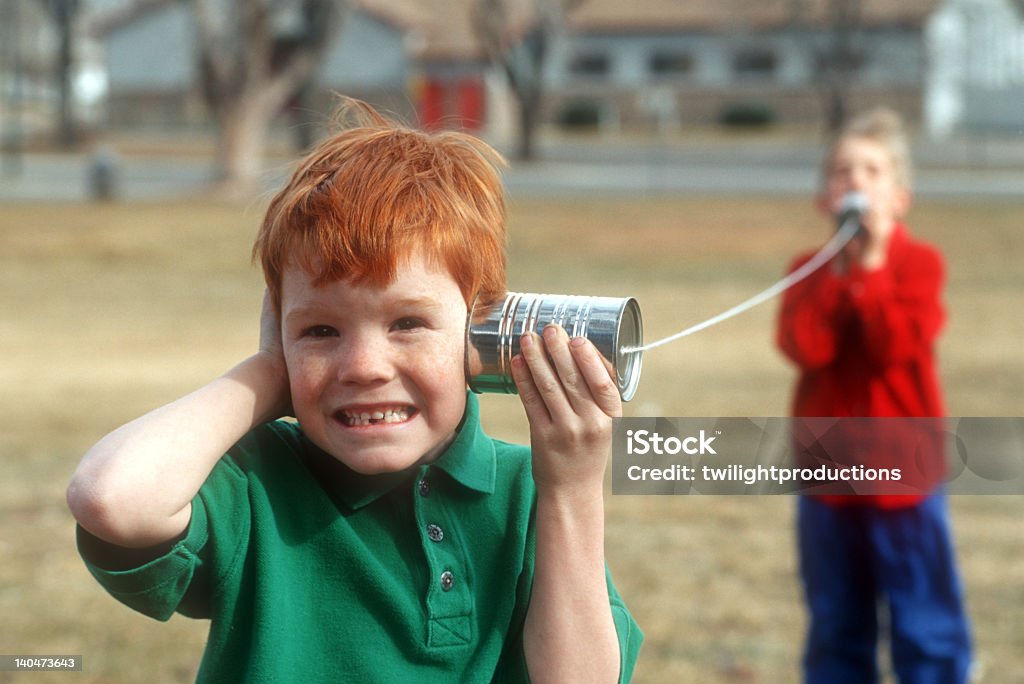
(614, 325)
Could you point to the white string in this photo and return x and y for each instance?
(846, 233)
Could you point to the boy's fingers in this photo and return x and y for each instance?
(560, 376)
(598, 374)
(573, 383)
(526, 384)
(270, 326)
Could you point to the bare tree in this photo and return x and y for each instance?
(255, 56)
(64, 14)
(518, 43)
(839, 60)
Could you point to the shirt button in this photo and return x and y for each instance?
(447, 580)
(424, 488)
(435, 532)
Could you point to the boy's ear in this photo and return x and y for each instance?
(903, 200)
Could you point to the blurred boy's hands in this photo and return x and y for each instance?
(866, 250)
(851, 254)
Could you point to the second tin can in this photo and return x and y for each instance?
(612, 324)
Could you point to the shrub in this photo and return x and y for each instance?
(746, 115)
(580, 114)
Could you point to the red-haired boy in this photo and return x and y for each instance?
(384, 537)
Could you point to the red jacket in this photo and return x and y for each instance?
(864, 342)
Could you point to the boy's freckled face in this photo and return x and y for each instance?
(377, 374)
(867, 166)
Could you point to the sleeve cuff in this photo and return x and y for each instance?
(156, 587)
(630, 639)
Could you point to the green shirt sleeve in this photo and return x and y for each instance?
(628, 631)
(156, 587)
(178, 579)
(513, 667)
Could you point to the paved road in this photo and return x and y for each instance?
(983, 170)
(962, 170)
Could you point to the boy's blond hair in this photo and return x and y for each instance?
(885, 127)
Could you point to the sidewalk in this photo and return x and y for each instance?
(783, 165)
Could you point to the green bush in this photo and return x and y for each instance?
(746, 115)
(580, 114)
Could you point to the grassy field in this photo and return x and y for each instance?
(108, 311)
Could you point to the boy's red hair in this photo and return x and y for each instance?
(377, 192)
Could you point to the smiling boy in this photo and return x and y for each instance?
(384, 536)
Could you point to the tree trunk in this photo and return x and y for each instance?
(250, 70)
(528, 114)
(244, 126)
(64, 12)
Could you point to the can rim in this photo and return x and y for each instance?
(630, 333)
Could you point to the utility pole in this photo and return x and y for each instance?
(11, 86)
(64, 12)
(842, 60)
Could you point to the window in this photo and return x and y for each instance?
(591, 64)
(669, 63)
(832, 61)
(755, 63)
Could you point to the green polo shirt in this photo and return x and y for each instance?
(311, 572)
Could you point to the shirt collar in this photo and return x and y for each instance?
(470, 460)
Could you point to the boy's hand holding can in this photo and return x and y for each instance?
(570, 399)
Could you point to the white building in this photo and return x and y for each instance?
(976, 67)
(949, 63)
(659, 59)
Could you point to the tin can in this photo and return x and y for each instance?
(612, 324)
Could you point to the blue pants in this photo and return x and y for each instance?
(854, 558)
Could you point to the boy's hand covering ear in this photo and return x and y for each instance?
(272, 349)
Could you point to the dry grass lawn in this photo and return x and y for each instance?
(108, 311)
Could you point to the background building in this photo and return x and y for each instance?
(953, 65)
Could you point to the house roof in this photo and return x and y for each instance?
(404, 14)
(643, 15)
(445, 30)
(109, 17)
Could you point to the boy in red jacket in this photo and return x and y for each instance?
(862, 331)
